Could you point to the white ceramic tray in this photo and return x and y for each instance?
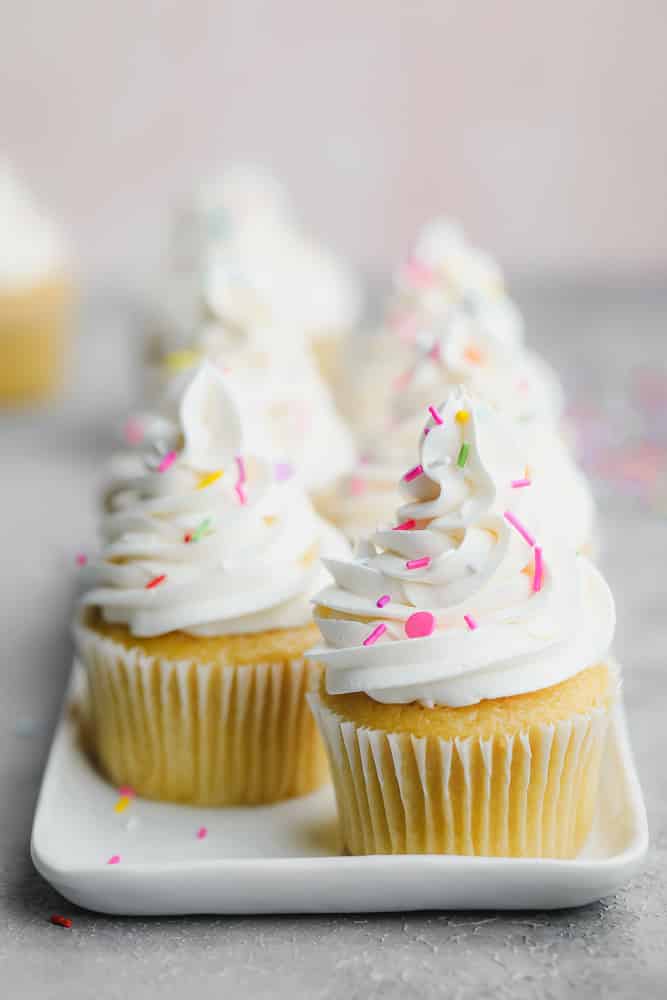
(284, 858)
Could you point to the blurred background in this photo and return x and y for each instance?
(541, 126)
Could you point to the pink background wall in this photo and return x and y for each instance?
(541, 125)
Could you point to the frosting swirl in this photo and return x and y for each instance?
(208, 538)
(457, 602)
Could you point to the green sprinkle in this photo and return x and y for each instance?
(203, 529)
(463, 455)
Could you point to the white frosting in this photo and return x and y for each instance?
(479, 566)
(31, 248)
(253, 563)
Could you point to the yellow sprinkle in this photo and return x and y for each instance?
(178, 361)
(528, 473)
(310, 555)
(270, 519)
(462, 417)
(210, 477)
(122, 804)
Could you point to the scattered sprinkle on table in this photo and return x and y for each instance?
(202, 832)
(81, 559)
(283, 471)
(59, 921)
(539, 570)
(114, 859)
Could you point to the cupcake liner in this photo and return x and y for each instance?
(526, 795)
(208, 734)
(34, 338)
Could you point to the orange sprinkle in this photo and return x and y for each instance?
(209, 478)
(473, 354)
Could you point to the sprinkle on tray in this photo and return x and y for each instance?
(518, 484)
(463, 455)
(419, 625)
(539, 570)
(114, 859)
(202, 833)
(470, 622)
(406, 525)
(516, 523)
(59, 921)
(413, 473)
(381, 601)
(209, 478)
(373, 636)
(167, 461)
(434, 413)
(462, 416)
(156, 581)
(418, 563)
(81, 559)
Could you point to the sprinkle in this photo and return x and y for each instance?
(509, 516)
(434, 353)
(418, 273)
(462, 416)
(472, 354)
(201, 530)
(59, 921)
(434, 413)
(133, 431)
(156, 581)
(517, 484)
(375, 634)
(122, 804)
(179, 361)
(357, 486)
(402, 380)
(283, 471)
(202, 832)
(420, 624)
(81, 559)
(539, 570)
(426, 430)
(209, 478)
(463, 455)
(406, 526)
(127, 790)
(418, 563)
(114, 859)
(167, 461)
(381, 601)
(187, 537)
(470, 622)
(413, 473)
(240, 492)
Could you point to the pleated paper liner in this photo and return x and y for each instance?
(207, 734)
(527, 795)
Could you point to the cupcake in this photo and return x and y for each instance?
(195, 630)
(240, 253)
(35, 297)
(449, 332)
(467, 687)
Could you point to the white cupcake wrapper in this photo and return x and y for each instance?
(211, 734)
(528, 795)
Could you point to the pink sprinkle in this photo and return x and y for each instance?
(539, 570)
(128, 791)
(284, 471)
(81, 559)
(381, 601)
(406, 526)
(240, 465)
(134, 431)
(202, 832)
(240, 492)
(418, 273)
(426, 430)
(402, 380)
(375, 634)
(516, 484)
(413, 473)
(114, 859)
(434, 413)
(418, 563)
(509, 516)
(434, 353)
(167, 461)
(420, 624)
(357, 486)
(470, 622)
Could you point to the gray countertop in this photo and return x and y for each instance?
(608, 344)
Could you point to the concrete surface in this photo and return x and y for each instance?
(49, 464)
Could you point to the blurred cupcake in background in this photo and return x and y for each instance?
(451, 323)
(468, 684)
(195, 629)
(35, 296)
(238, 247)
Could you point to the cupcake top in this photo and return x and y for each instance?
(31, 247)
(208, 538)
(471, 594)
